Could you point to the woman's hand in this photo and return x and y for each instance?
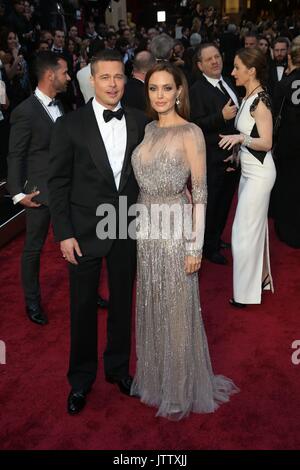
(192, 264)
(229, 141)
(188, 195)
(15, 53)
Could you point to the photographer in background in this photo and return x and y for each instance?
(17, 20)
(4, 124)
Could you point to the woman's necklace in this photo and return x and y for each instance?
(246, 97)
(244, 102)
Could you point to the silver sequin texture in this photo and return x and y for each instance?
(174, 370)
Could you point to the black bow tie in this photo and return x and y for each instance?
(57, 51)
(54, 102)
(108, 114)
(281, 63)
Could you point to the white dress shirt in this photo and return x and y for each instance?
(280, 70)
(57, 49)
(53, 112)
(86, 88)
(114, 136)
(215, 82)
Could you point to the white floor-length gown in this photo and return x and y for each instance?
(250, 244)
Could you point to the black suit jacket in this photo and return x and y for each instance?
(273, 76)
(81, 178)
(207, 103)
(134, 95)
(28, 157)
(288, 138)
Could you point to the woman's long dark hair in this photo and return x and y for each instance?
(183, 109)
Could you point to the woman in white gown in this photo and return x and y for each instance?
(250, 246)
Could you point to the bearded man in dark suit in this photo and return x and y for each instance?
(32, 124)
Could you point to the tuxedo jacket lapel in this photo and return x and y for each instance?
(232, 88)
(132, 138)
(221, 94)
(215, 91)
(218, 93)
(41, 110)
(61, 108)
(96, 145)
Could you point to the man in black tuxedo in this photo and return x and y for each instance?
(279, 64)
(32, 123)
(134, 95)
(58, 47)
(91, 167)
(214, 105)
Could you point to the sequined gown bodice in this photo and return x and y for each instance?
(174, 371)
(159, 166)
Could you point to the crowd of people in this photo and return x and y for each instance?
(186, 113)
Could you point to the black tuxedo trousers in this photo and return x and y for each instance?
(84, 281)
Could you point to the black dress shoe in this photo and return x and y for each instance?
(236, 304)
(216, 257)
(123, 384)
(76, 401)
(36, 314)
(224, 245)
(102, 303)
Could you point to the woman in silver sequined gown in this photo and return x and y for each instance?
(174, 371)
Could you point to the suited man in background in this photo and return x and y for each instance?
(279, 64)
(134, 95)
(84, 74)
(32, 123)
(58, 47)
(90, 166)
(214, 105)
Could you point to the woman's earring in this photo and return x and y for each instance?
(177, 101)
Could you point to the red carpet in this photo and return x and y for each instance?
(251, 346)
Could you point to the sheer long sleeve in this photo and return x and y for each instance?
(196, 159)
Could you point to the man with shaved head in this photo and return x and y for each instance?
(134, 95)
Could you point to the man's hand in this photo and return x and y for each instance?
(68, 247)
(230, 160)
(229, 111)
(27, 200)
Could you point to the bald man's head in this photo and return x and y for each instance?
(143, 62)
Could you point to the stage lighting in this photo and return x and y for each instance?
(161, 16)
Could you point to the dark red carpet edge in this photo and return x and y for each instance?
(251, 346)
